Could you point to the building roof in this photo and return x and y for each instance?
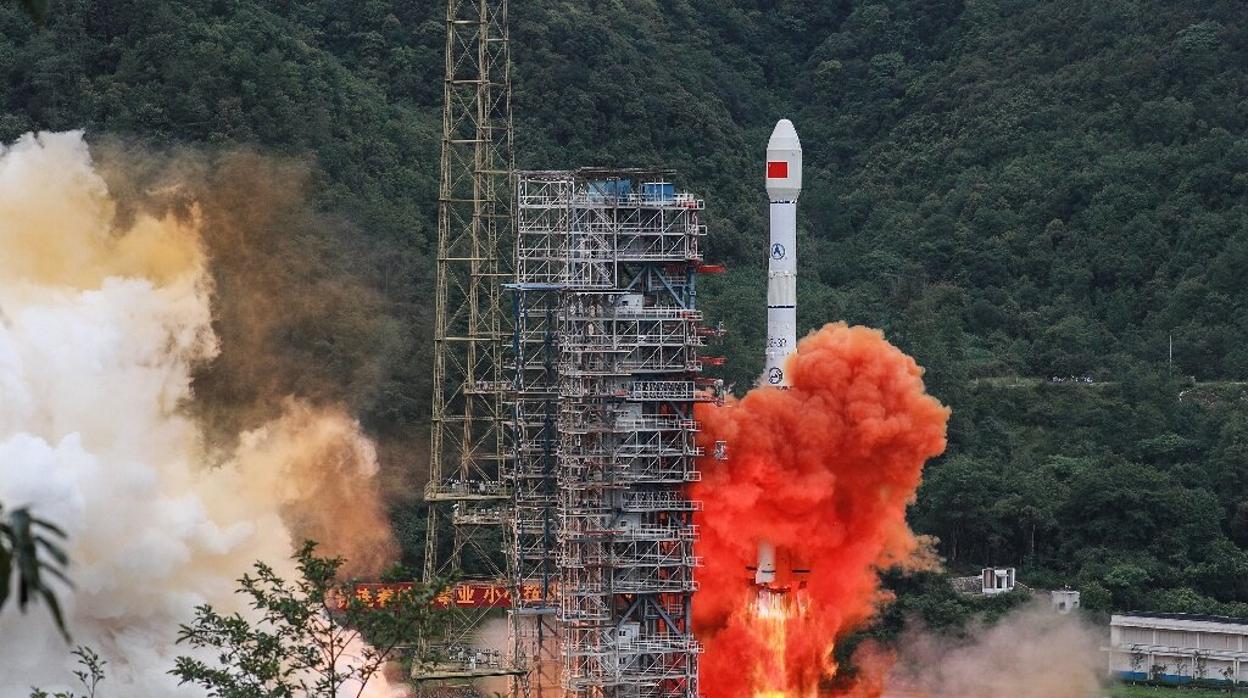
(974, 585)
(592, 173)
(1186, 616)
(968, 585)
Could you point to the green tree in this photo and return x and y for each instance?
(37, 9)
(29, 551)
(956, 503)
(90, 674)
(313, 636)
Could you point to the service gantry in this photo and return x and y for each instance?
(607, 373)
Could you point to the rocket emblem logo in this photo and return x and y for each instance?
(777, 251)
(775, 375)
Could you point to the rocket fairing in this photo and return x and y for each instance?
(784, 185)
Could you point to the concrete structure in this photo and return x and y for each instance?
(1178, 647)
(1064, 601)
(606, 375)
(996, 580)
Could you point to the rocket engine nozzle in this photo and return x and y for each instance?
(771, 582)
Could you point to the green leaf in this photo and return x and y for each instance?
(6, 571)
(55, 607)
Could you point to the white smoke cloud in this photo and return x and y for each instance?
(100, 330)
(1030, 653)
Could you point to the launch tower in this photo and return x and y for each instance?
(606, 375)
(467, 495)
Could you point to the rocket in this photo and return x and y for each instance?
(784, 185)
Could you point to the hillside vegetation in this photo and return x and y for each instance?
(1006, 187)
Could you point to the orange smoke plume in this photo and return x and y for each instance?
(825, 471)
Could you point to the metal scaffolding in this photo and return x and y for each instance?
(467, 491)
(559, 463)
(606, 375)
(533, 484)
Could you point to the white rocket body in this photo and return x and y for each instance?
(784, 185)
(765, 572)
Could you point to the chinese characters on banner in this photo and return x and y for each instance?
(379, 595)
(463, 595)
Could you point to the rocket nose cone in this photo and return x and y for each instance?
(784, 137)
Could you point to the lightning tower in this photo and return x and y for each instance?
(467, 490)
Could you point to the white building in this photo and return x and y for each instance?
(1064, 600)
(1178, 647)
(997, 580)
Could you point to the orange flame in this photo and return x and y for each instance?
(824, 471)
(769, 617)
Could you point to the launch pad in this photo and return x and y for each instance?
(563, 437)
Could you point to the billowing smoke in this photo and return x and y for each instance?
(1031, 653)
(103, 320)
(824, 470)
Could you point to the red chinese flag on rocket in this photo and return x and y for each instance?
(777, 170)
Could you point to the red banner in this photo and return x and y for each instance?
(474, 595)
(462, 595)
(379, 595)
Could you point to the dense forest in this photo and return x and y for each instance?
(1016, 191)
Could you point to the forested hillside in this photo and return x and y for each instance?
(1006, 187)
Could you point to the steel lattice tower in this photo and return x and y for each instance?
(467, 489)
